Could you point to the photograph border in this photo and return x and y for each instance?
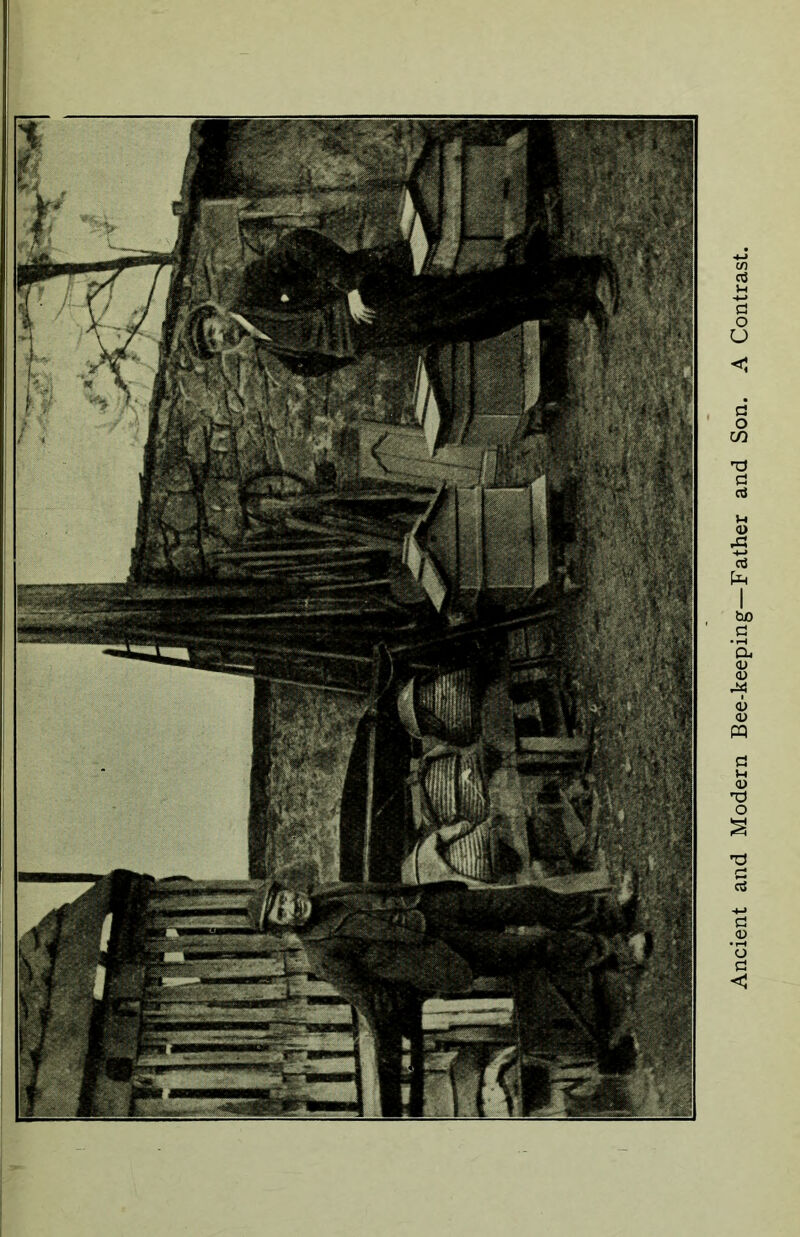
(12, 506)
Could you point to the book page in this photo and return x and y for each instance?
(189, 757)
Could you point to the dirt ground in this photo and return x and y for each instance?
(626, 436)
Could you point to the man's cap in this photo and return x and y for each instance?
(259, 906)
(194, 331)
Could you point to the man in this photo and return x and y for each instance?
(373, 942)
(317, 307)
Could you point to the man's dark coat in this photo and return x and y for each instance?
(297, 296)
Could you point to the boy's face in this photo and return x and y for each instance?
(289, 909)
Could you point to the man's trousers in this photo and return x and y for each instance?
(427, 309)
(560, 928)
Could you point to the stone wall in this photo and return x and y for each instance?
(229, 432)
(312, 734)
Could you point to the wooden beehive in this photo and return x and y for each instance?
(482, 542)
(464, 201)
(426, 407)
(463, 204)
(483, 387)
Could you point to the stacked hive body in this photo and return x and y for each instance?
(482, 542)
(464, 204)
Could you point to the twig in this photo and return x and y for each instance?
(107, 357)
(66, 296)
(121, 330)
(28, 326)
(90, 295)
(145, 311)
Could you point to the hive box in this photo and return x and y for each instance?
(463, 204)
(482, 388)
(482, 543)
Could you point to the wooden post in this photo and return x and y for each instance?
(242, 615)
(107, 613)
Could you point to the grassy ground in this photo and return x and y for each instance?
(626, 436)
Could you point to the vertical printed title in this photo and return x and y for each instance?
(739, 579)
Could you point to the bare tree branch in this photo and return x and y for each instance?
(128, 249)
(39, 271)
(94, 328)
(28, 332)
(94, 291)
(105, 227)
(123, 330)
(38, 398)
(113, 358)
(127, 393)
(135, 329)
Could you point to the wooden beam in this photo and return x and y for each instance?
(483, 627)
(52, 878)
(225, 668)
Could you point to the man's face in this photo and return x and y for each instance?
(290, 909)
(220, 333)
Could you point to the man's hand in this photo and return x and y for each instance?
(358, 310)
